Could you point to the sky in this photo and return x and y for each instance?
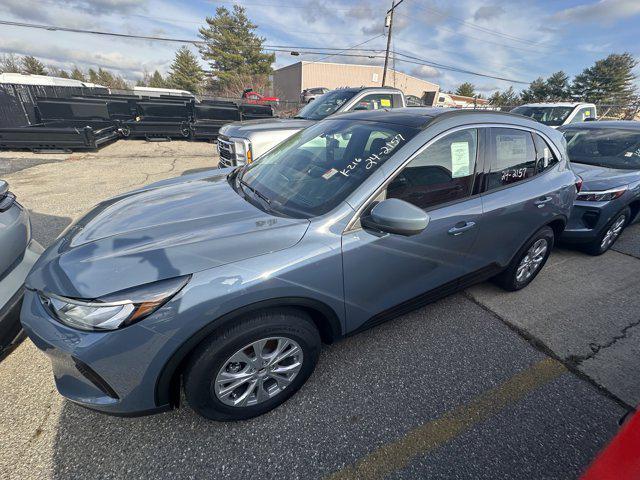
(513, 39)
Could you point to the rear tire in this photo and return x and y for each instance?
(528, 262)
(245, 355)
(609, 234)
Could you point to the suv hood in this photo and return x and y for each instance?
(169, 229)
(603, 178)
(246, 128)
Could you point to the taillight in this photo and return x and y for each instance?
(579, 182)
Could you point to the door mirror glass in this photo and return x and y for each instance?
(396, 216)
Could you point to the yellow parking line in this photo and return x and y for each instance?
(394, 456)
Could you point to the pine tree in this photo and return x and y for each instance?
(537, 92)
(233, 50)
(609, 81)
(78, 74)
(156, 80)
(466, 89)
(31, 65)
(558, 88)
(185, 72)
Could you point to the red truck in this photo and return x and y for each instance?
(250, 96)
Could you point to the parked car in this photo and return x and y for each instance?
(250, 96)
(242, 142)
(559, 113)
(413, 101)
(607, 157)
(227, 281)
(310, 94)
(17, 255)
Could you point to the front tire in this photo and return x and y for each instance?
(528, 262)
(609, 234)
(253, 366)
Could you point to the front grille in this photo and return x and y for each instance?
(227, 152)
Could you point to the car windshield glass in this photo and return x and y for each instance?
(325, 105)
(310, 173)
(552, 116)
(607, 147)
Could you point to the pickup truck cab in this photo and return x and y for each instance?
(250, 96)
(557, 114)
(242, 142)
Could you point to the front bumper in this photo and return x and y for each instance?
(588, 219)
(114, 372)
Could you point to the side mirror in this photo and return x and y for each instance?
(360, 107)
(396, 216)
(590, 119)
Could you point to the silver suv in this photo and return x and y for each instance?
(243, 142)
(310, 94)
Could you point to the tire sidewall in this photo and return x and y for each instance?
(208, 361)
(544, 233)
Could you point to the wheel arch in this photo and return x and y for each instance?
(167, 389)
(558, 225)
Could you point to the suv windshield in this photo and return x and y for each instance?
(325, 105)
(606, 147)
(552, 116)
(310, 173)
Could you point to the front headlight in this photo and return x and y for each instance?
(602, 196)
(116, 310)
(243, 150)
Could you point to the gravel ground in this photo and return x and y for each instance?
(461, 396)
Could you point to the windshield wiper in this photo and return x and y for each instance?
(262, 196)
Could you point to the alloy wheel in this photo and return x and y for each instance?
(613, 233)
(258, 372)
(531, 262)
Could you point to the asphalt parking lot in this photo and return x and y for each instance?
(488, 384)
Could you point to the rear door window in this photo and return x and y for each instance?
(512, 157)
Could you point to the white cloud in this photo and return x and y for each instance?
(602, 11)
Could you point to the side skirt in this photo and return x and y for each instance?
(431, 296)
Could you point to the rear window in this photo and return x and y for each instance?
(606, 147)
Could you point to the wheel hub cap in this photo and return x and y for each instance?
(531, 262)
(258, 372)
(613, 233)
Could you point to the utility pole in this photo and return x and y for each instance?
(390, 18)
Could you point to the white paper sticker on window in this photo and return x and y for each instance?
(460, 159)
(511, 150)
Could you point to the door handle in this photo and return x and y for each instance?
(542, 201)
(461, 227)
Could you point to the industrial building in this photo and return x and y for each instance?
(289, 81)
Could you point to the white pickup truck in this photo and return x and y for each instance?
(243, 142)
(559, 113)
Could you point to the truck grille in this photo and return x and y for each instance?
(227, 152)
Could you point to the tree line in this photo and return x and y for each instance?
(235, 57)
(609, 81)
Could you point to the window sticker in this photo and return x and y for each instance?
(511, 150)
(329, 173)
(385, 102)
(460, 159)
(547, 156)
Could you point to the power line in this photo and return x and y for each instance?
(349, 49)
(274, 48)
